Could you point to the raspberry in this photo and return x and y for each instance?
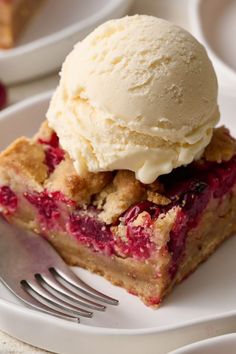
(8, 199)
(3, 96)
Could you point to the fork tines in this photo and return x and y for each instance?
(36, 274)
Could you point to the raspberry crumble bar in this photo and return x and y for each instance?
(145, 238)
(14, 15)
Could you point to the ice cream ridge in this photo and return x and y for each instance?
(138, 93)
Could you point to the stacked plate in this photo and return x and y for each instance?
(52, 33)
(217, 345)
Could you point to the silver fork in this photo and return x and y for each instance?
(37, 275)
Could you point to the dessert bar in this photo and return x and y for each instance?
(14, 15)
(143, 237)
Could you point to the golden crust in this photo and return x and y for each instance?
(222, 146)
(118, 196)
(44, 133)
(157, 198)
(27, 158)
(80, 189)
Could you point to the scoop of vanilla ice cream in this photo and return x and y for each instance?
(138, 93)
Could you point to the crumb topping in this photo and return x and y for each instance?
(65, 179)
(119, 195)
(157, 198)
(222, 146)
(26, 157)
(111, 192)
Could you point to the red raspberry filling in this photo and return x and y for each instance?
(138, 244)
(189, 188)
(97, 235)
(194, 186)
(132, 213)
(45, 203)
(52, 208)
(53, 157)
(154, 300)
(53, 141)
(53, 153)
(3, 96)
(90, 231)
(8, 199)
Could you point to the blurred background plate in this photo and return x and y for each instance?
(218, 345)
(213, 22)
(51, 34)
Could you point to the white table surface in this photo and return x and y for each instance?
(173, 10)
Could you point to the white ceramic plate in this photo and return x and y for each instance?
(217, 345)
(51, 34)
(213, 22)
(202, 306)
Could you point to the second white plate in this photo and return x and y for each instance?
(216, 345)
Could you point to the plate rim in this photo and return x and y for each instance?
(195, 21)
(201, 343)
(87, 329)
